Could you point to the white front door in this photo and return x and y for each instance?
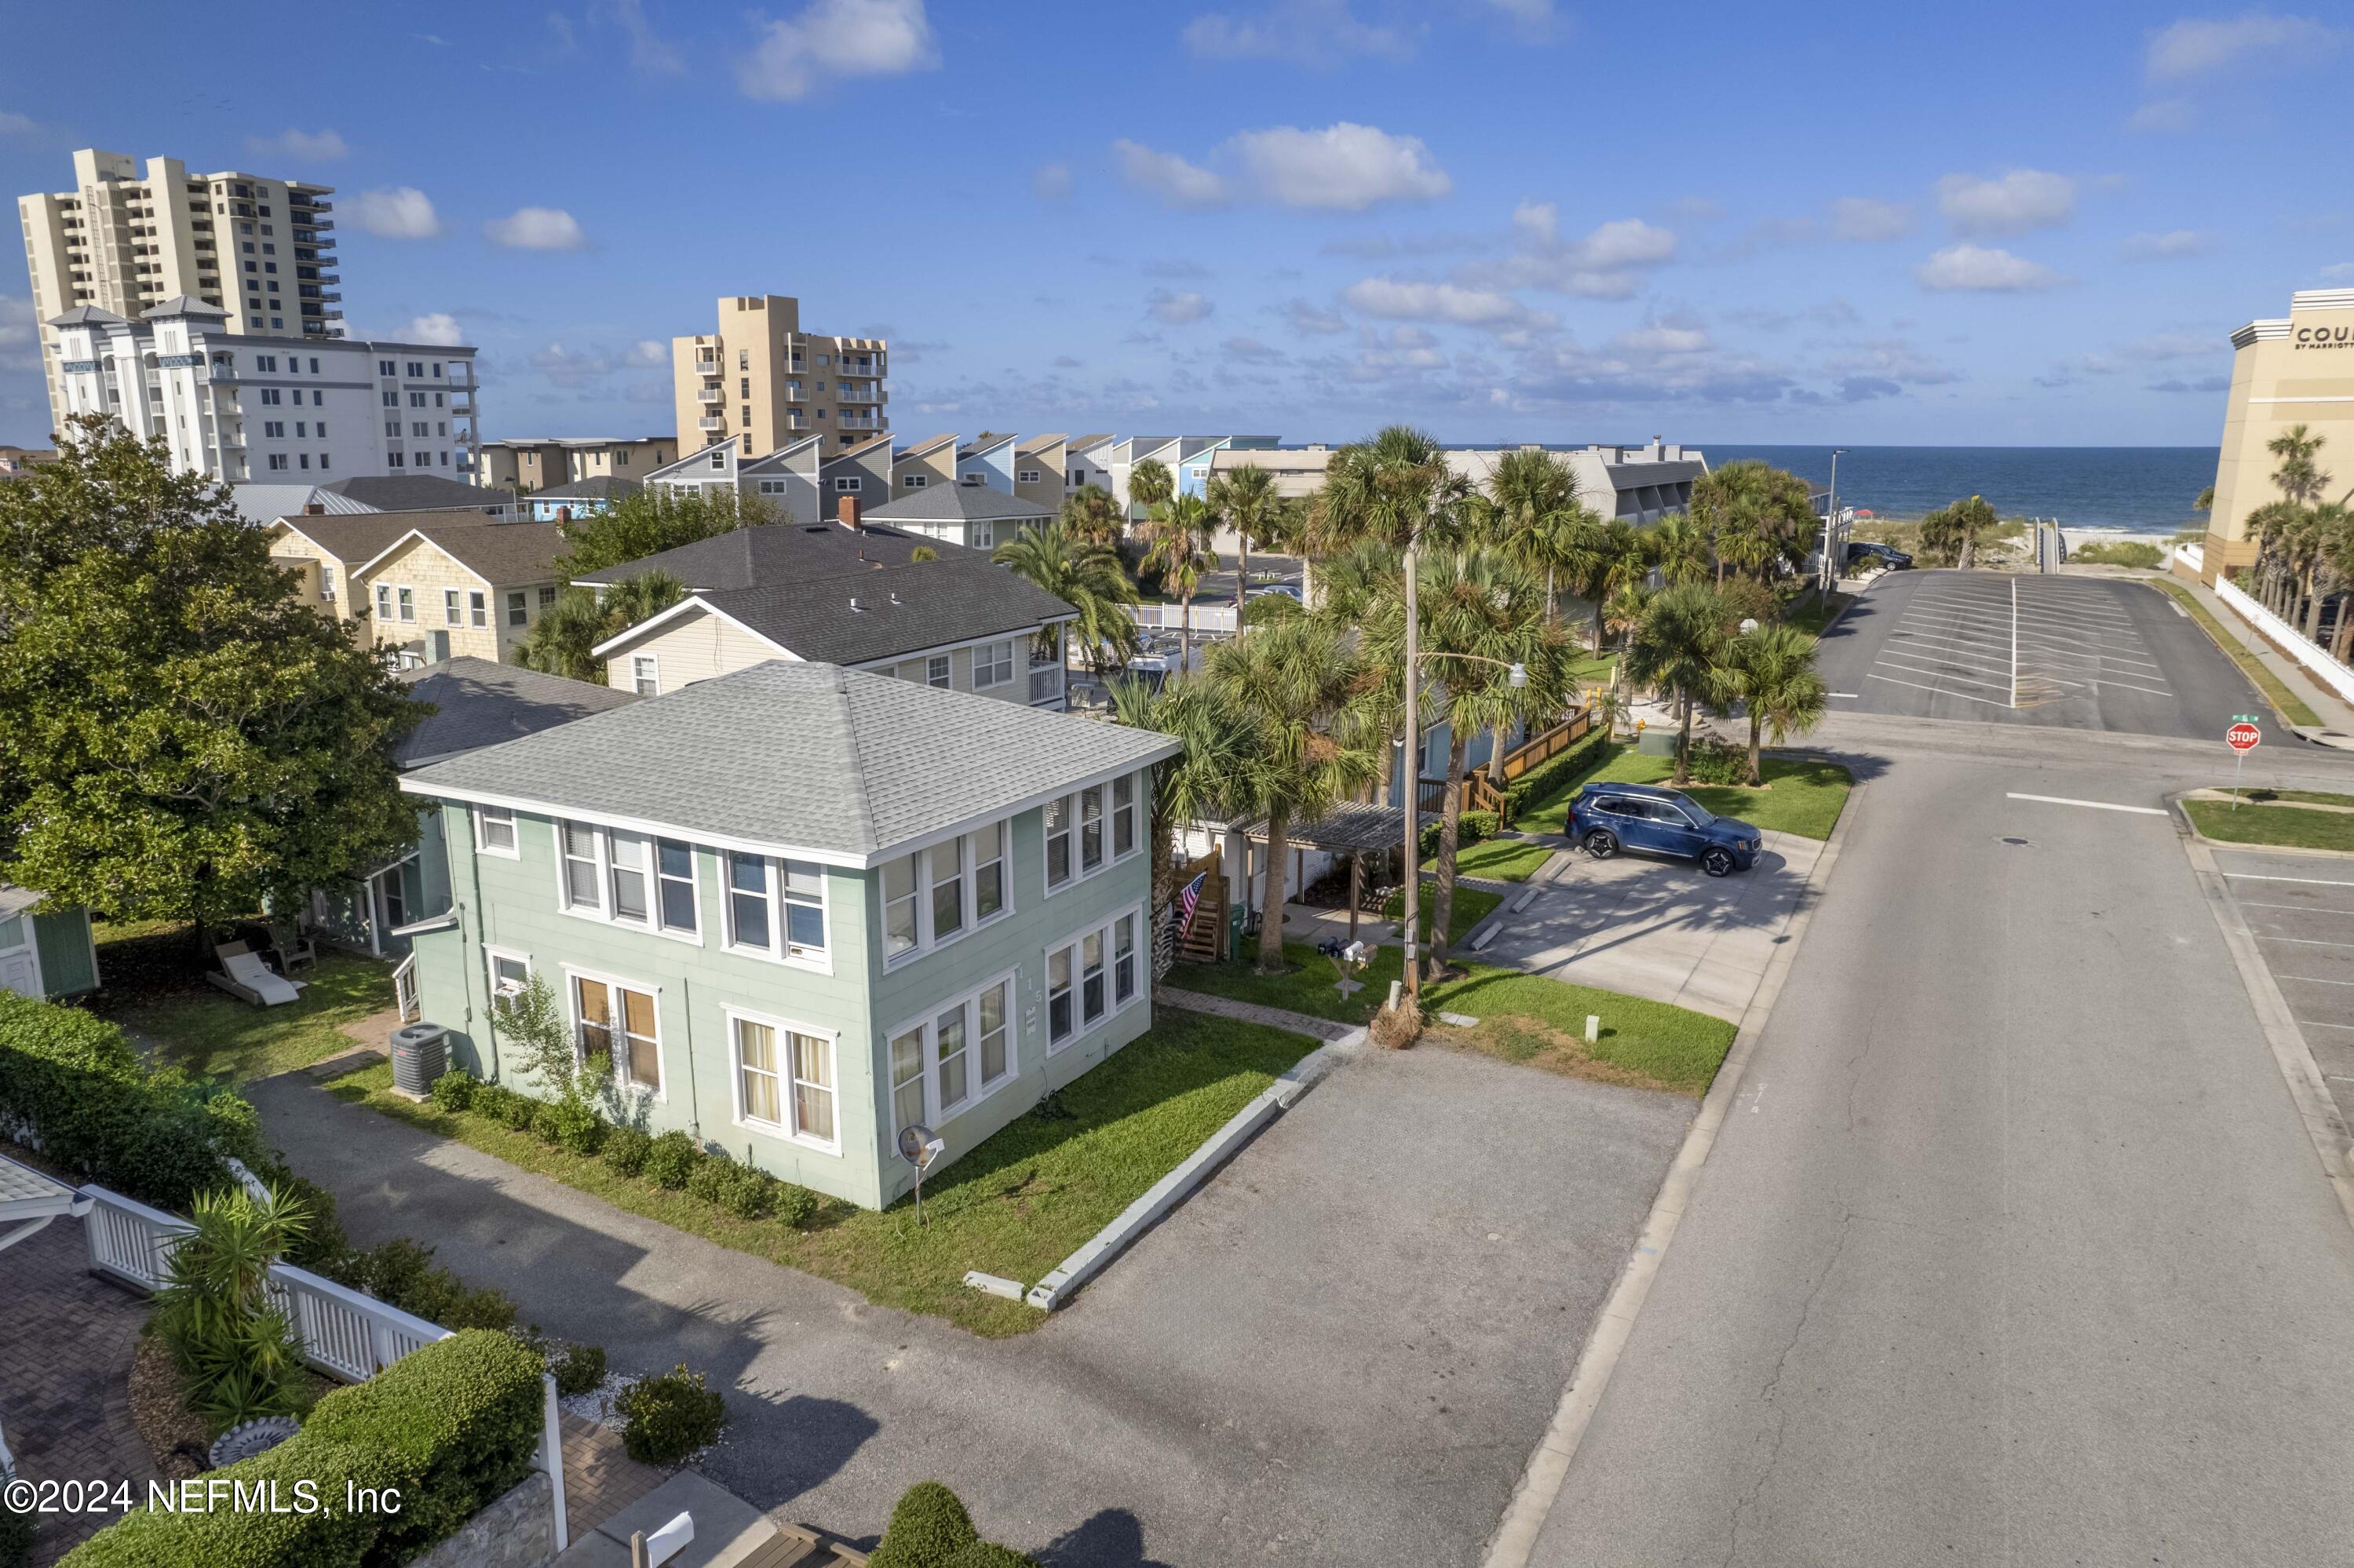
(20, 972)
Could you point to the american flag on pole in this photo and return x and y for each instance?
(1188, 899)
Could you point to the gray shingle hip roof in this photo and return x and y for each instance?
(793, 583)
(418, 493)
(810, 760)
(957, 502)
(482, 703)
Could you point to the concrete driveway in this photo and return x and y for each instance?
(1341, 1350)
(1659, 929)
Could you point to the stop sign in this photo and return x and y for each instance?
(2244, 736)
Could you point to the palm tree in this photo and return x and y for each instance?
(1244, 498)
(1092, 515)
(1772, 672)
(579, 622)
(1955, 531)
(1480, 612)
(2299, 478)
(1149, 484)
(1178, 554)
(1299, 687)
(1770, 510)
(1395, 487)
(1615, 562)
(1675, 648)
(1088, 577)
(1187, 787)
(1678, 549)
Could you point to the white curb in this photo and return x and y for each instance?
(1197, 1168)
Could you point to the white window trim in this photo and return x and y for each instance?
(969, 1001)
(925, 942)
(481, 842)
(602, 840)
(572, 975)
(981, 648)
(694, 880)
(492, 954)
(1113, 1006)
(1112, 857)
(653, 667)
(783, 1131)
(781, 950)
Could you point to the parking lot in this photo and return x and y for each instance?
(1659, 929)
(2300, 910)
(2069, 652)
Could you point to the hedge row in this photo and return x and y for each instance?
(1469, 829)
(1542, 780)
(453, 1425)
(72, 1086)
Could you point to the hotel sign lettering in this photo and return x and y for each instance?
(2322, 337)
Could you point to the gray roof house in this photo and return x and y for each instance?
(425, 492)
(979, 517)
(804, 908)
(844, 595)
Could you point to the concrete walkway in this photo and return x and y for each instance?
(1251, 1012)
(2336, 714)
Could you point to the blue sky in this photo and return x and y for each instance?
(1509, 219)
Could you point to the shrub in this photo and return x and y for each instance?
(214, 1313)
(1477, 825)
(15, 1538)
(454, 1090)
(625, 1150)
(989, 1554)
(570, 1124)
(1542, 781)
(72, 1086)
(463, 1416)
(670, 1160)
(575, 1368)
(519, 1111)
(666, 1418)
(2115, 552)
(709, 1180)
(321, 1247)
(929, 1528)
(1715, 761)
(401, 1273)
(328, 1538)
(796, 1206)
(746, 1193)
(492, 1100)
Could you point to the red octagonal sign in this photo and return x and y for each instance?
(2244, 736)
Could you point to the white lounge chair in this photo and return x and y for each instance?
(249, 979)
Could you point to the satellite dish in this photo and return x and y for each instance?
(918, 1145)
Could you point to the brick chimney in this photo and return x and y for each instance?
(846, 508)
(315, 509)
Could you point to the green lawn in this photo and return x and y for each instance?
(1472, 905)
(1813, 612)
(2307, 797)
(1498, 860)
(1800, 797)
(1592, 669)
(2290, 827)
(2291, 707)
(211, 1032)
(1015, 1207)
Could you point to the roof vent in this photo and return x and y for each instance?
(856, 608)
(894, 599)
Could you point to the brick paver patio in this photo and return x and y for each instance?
(601, 1479)
(65, 1368)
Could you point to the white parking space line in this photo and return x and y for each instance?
(2014, 646)
(1943, 660)
(2298, 908)
(2311, 979)
(2308, 881)
(1851, 696)
(2316, 1024)
(2095, 805)
(1919, 687)
(2302, 941)
(1941, 675)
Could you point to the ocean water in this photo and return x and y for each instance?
(2140, 489)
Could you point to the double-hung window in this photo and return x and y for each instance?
(947, 866)
(1092, 976)
(576, 845)
(628, 852)
(784, 1079)
(993, 665)
(989, 870)
(1057, 815)
(747, 902)
(478, 612)
(776, 908)
(407, 604)
(1123, 814)
(518, 609)
(494, 829)
(937, 895)
(936, 672)
(942, 1064)
(449, 606)
(645, 675)
(620, 1019)
(1076, 832)
(384, 601)
(1091, 829)
(674, 876)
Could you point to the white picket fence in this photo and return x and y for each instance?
(343, 1332)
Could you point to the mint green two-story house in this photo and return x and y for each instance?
(804, 907)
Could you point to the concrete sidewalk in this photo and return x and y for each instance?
(2336, 717)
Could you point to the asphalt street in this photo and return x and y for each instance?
(2013, 1248)
(2300, 910)
(2072, 652)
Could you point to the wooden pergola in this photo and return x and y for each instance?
(1356, 830)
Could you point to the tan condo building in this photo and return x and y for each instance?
(2294, 371)
(261, 250)
(760, 383)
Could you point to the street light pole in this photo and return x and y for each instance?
(1413, 770)
(1830, 527)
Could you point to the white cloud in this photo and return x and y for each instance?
(1180, 308)
(436, 327)
(536, 228)
(837, 38)
(1890, 359)
(2200, 45)
(400, 213)
(2339, 272)
(1398, 299)
(1534, 20)
(1312, 319)
(2162, 115)
(16, 321)
(1605, 264)
(1343, 167)
(1251, 350)
(1318, 34)
(1867, 220)
(2173, 243)
(15, 124)
(1659, 339)
(1171, 178)
(651, 351)
(1982, 270)
(649, 51)
(2011, 203)
(301, 146)
(1051, 182)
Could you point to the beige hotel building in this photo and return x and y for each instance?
(761, 382)
(2296, 370)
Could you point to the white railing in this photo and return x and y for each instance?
(1047, 683)
(1215, 619)
(343, 1332)
(2191, 556)
(2291, 642)
(404, 989)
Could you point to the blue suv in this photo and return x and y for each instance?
(1607, 817)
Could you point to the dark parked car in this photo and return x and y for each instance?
(1607, 817)
(1865, 551)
